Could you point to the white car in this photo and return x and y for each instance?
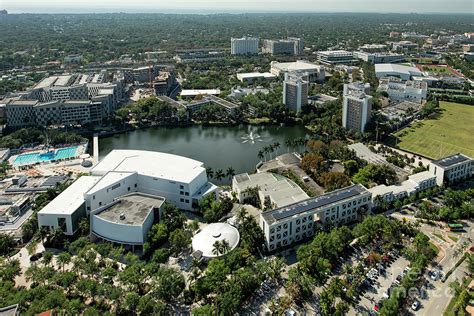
(434, 275)
(415, 305)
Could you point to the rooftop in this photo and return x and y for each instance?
(281, 190)
(299, 65)
(314, 203)
(451, 160)
(409, 70)
(72, 198)
(151, 163)
(134, 208)
(205, 239)
(195, 92)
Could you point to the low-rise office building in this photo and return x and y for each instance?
(334, 57)
(399, 90)
(295, 222)
(452, 169)
(290, 46)
(379, 58)
(403, 46)
(415, 183)
(255, 76)
(272, 190)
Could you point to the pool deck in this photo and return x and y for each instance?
(81, 149)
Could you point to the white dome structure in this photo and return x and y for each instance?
(204, 241)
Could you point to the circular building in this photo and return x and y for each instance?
(226, 236)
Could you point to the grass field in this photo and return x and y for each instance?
(452, 132)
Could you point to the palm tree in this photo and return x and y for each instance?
(225, 247)
(216, 248)
(63, 259)
(288, 144)
(276, 145)
(210, 172)
(260, 155)
(230, 172)
(242, 215)
(219, 175)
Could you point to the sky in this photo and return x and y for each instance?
(237, 6)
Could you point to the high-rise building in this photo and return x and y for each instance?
(289, 46)
(244, 46)
(356, 106)
(295, 91)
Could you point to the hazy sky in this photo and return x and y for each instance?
(200, 6)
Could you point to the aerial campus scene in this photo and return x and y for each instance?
(236, 157)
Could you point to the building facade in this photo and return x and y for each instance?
(244, 46)
(290, 46)
(335, 57)
(295, 92)
(398, 90)
(452, 169)
(295, 222)
(356, 107)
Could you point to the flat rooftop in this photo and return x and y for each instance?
(314, 203)
(299, 65)
(135, 207)
(72, 198)
(451, 160)
(150, 163)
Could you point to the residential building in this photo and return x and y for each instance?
(295, 92)
(316, 73)
(272, 190)
(127, 181)
(301, 220)
(399, 90)
(468, 48)
(74, 59)
(336, 57)
(452, 169)
(414, 35)
(356, 106)
(395, 70)
(199, 55)
(290, 46)
(379, 58)
(244, 46)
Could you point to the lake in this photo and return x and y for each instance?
(217, 147)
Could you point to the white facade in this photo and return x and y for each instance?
(356, 107)
(332, 57)
(244, 46)
(415, 183)
(293, 223)
(452, 169)
(252, 76)
(379, 58)
(398, 90)
(67, 208)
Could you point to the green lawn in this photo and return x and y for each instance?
(452, 132)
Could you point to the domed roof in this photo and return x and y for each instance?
(204, 241)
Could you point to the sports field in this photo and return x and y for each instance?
(452, 132)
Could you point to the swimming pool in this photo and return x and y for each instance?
(32, 158)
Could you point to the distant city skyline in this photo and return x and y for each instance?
(230, 6)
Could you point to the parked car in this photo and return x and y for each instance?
(415, 305)
(36, 256)
(434, 275)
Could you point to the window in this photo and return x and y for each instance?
(186, 193)
(285, 234)
(182, 200)
(181, 186)
(135, 185)
(93, 197)
(272, 238)
(285, 226)
(181, 192)
(115, 186)
(187, 201)
(344, 206)
(100, 203)
(128, 188)
(278, 236)
(272, 230)
(298, 221)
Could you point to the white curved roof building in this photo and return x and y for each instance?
(204, 241)
(121, 177)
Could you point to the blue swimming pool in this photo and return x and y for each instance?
(32, 158)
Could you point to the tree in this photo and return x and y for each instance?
(334, 180)
(6, 244)
(230, 172)
(312, 162)
(63, 259)
(219, 175)
(179, 240)
(210, 172)
(168, 285)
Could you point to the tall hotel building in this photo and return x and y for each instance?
(244, 46)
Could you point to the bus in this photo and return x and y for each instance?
(456, 227)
